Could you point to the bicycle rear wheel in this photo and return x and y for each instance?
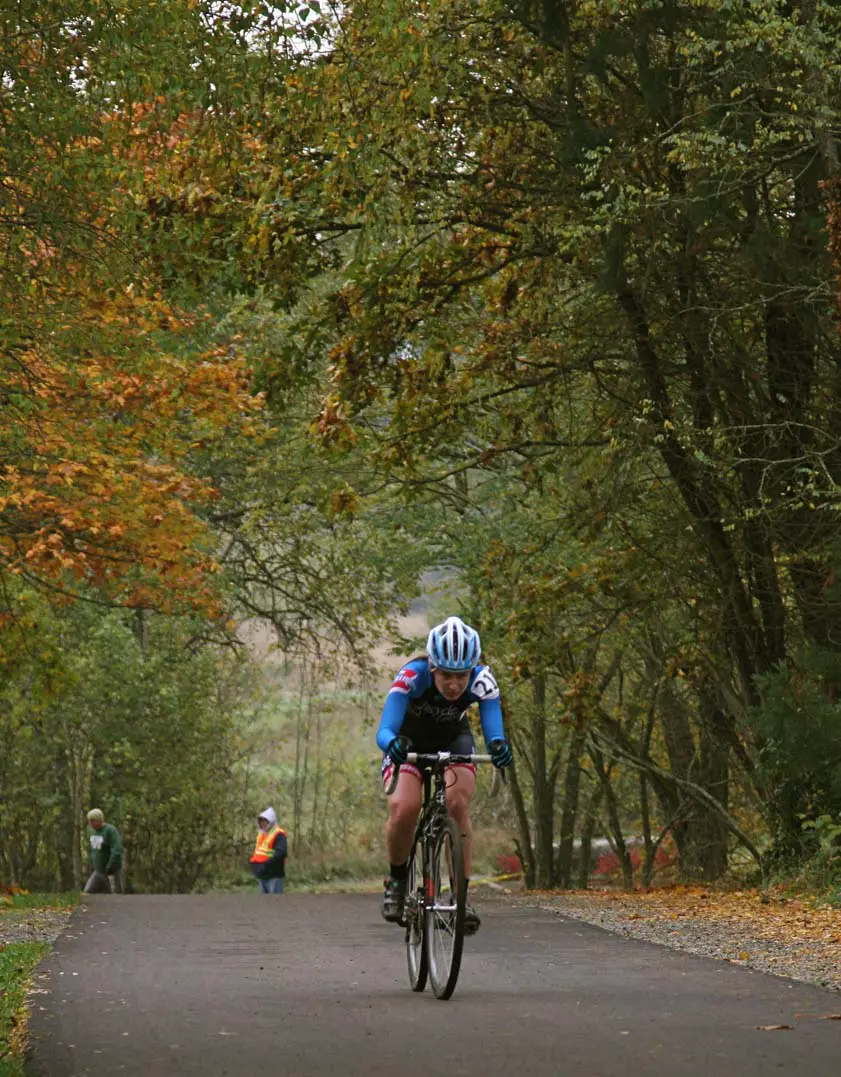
(413, 914)
(445, 910)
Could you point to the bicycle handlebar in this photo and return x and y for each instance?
(449, 758)
(446, 757)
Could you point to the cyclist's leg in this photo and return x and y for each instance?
(403, 807)
(461, 785)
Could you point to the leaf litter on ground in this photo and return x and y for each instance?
(797, 936)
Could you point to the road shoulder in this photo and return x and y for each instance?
(794, 937)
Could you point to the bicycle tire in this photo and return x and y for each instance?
(415, 919)
(445, 910)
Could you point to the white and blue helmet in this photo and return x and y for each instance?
(453, 646)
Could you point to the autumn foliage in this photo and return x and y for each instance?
(95, 483)
(111, 386)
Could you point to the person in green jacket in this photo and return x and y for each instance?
(106, 848)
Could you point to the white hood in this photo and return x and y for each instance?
(268, 814)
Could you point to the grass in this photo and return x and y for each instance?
(323, 870)
(17, 963)
(338, 870)
(312, 873)
(24, 900)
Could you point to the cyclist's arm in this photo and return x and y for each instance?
(394, 711)
(485, 691)
(490, 716)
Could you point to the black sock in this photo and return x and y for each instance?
(399, 871)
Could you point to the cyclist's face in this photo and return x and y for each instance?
(450, 685)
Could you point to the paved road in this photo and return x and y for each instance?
(312, 986)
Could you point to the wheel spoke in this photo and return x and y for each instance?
(445, 911)
(414, 915)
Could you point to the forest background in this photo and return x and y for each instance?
(522, 310)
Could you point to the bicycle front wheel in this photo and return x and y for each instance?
(413, 915)
(445, 910)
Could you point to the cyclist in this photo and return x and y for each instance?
(425, 711)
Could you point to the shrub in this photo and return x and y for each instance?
(609, 863)
(509, 864)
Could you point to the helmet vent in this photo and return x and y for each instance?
(453, 645)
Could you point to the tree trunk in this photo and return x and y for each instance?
(544, 789)
(680, 748)
(614, 818)
(569, 807)
(317, 816)
(645, 807)
(79, 760)
(525, 850)
(700, 833)
(711, 832)
(302, 733)
(591, 816)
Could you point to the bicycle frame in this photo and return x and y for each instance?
(434, 806)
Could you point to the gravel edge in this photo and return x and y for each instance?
(32, 925)
(809, 960)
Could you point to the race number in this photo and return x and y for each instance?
(485, 686)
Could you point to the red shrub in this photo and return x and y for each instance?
(610, 864)
(664, 858)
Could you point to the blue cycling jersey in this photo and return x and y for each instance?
(415, 708)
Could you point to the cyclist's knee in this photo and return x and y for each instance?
(403, 812)
(458, 805)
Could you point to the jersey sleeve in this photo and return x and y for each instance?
(403, 687)
(485, 691)
(115, 850)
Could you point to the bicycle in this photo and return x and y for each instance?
(433, 911)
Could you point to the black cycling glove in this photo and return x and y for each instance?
(500, 752)
(398, 750)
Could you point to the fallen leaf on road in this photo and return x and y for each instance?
(773, 1028)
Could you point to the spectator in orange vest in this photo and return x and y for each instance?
(268, 862)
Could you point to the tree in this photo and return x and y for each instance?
(610, 212)
(107, 386)
(135, 714)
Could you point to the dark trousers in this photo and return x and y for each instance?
(100, 883)
(271, 886)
